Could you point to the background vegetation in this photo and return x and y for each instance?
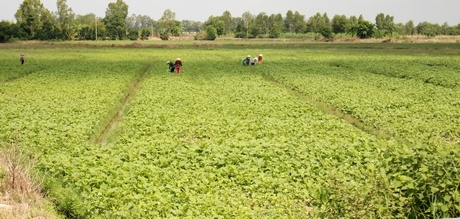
(34, 22)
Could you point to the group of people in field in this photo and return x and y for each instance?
(176, 66)
(248, 61)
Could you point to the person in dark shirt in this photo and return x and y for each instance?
(171, 66)
(22, 59)
(247, 60)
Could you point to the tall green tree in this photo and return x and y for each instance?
(410, 28)
(385, 24)
(400, 29)
(240, 28)
(138, 22)
(65, 18)
(48, 29)
(227, 19)
(317, 22)
(85, 27)
(340, 24)
(167, 20)
(261, 25)
(177, 28)
(428, 29)
(30, 17)
(276, 23)
(353, 22)
(191, 26)
(300, 24)
(364, 29)
(132, 23)
(326, 19)
(289, 22)
(220, 28)
(247, 19)
(5, 28)
(169, 25)
(115, 19)
(212, 20)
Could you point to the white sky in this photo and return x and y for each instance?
(434, 11)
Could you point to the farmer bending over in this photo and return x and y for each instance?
(260, 58)
(171, 66)
(247, 60)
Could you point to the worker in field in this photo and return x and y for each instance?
(247, 60)
(259, 59)
(22, 59)
(254, 61)
(171, 66)
(178, 65)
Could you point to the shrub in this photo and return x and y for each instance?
(211, 32)
(133, 34)
(240, 35)
(274, 32)
(145, 34)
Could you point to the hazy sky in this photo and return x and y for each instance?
(434, 11)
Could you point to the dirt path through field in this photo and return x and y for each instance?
(330, 109)
(112, 124)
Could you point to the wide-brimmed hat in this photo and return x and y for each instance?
(248, 56)
(167, 62)
(178, 59)
(260, 55)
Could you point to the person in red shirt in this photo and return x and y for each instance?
(260, 58)
(178, 65)
(247, 60)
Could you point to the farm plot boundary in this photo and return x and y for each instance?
(110, 127)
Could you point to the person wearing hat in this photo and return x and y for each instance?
(247, 60)
(260, 58)
(171, 66)
(22, 59)
(178, 65)
(254, 61)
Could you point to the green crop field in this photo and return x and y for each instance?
(319, 130)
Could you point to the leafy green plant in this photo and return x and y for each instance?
(320, 132)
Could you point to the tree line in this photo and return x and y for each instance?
(35, 22)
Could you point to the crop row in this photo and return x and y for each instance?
(420, 115)
(441, 71)
(220, 141)
(223, 142)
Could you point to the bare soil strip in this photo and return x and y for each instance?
(324, 107)
(118, 115)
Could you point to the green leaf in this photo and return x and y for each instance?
(447, 198)
(434, 189)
